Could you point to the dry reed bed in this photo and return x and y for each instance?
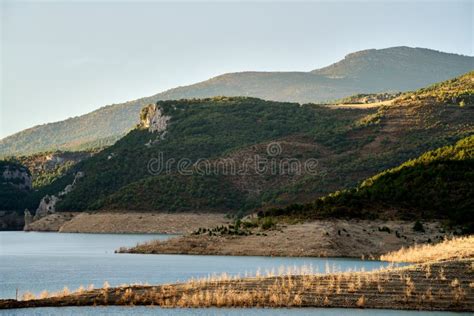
(430, 286)
(449, 249)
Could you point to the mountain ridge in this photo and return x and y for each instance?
(105, 125)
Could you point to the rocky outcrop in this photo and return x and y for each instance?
(28, 218)
(71, 186)
(153, 118)
(17, 176)
(47, 205)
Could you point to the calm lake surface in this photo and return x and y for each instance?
(34, 262)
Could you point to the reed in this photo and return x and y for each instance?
(449, 249)
(436, 285)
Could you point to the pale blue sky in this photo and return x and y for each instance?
(62, 59)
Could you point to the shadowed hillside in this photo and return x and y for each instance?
(436, 185)
(369, 71)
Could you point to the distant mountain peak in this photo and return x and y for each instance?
(400, 67)
(401, 51)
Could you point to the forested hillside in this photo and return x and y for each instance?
(348, 144)
(436, 185)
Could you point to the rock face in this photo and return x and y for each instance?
(71, 186)
(16, 175)
(153, 118)
(47, 206)
(28, 218)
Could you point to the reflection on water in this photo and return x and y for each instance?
(113, 310)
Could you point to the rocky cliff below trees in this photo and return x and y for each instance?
(15, 185)
(16, 175)
(47, 204)
(48, 166)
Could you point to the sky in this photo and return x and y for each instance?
(62, 59)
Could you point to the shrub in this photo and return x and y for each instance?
(418, 227)
(268, 223)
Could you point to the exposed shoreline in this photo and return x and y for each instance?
(323, 238)
(436, 286)
(117, 222)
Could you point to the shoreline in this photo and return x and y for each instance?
(322, 238)
(92, 233)
(121, 222)
(434, 286)
(336, 238)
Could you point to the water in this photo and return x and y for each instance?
(115, 310)
(49, 261)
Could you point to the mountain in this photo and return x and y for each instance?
(368, 71)
(188, 154)
(397, 68)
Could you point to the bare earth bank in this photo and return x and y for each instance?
(322, 238)
(127, 222)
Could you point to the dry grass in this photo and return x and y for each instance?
(449, 249)
(431, 286)
(27, 296)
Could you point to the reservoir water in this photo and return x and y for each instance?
(34, 262)
(145, 311)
